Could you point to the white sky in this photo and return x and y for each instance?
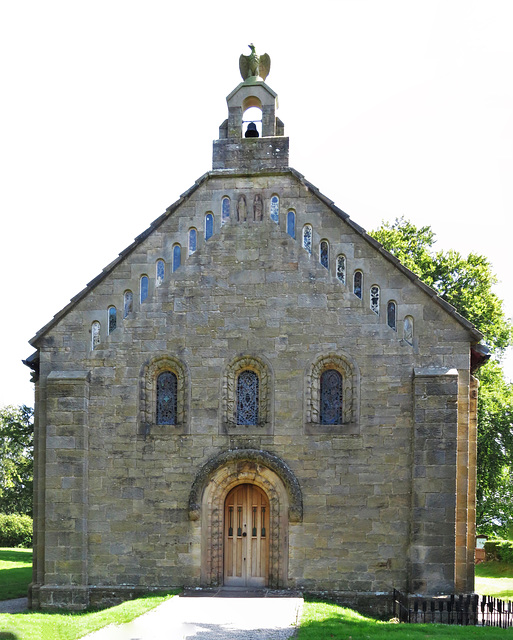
(109, 108)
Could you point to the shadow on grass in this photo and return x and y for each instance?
(16, 555)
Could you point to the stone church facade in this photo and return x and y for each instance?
(254, 393)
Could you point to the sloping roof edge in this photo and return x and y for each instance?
(476, 335)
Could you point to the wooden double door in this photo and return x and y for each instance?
(246, 537)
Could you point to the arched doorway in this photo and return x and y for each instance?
(246, 537)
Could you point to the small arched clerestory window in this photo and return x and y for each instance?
(193, 240)
(374, 299)
(166, 410)
(209, 225)
(95, 334)
(144, 287)
(225, 210)
(408, 330)
(160, 272)
(331, 396)
(324, 254)
(392, 315)
(128, 303)
(358, 284)
(177, 256)
(307, 237)
(247, 398)
(113, 319)
(291, 223)
(341, 268)
(275, 209)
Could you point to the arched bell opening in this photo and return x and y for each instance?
(252, 122)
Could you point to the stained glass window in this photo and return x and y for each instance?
(247, 398)
(177, 256)
(95, 334)
(192, 241)
(331, 397)
(307, 237)
(324, 254)
(391, 315)
(225, 211)
(275, 209)
(144, 288)
(128, 303)
(358, 284)
(291, 224)
(408, 329)
(112, 319)
(341, 268)
(161, 270)
(374, 298)
(209, 226)
(166, 398)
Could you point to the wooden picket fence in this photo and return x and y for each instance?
(483, 611)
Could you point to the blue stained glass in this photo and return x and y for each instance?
(341, 268)
(331, 397)
(128, 303)
(209, 226)
(177, 256)
(275, 209)
(291, 224)
(307, 238)
(357, 287)
(247, 398)
(144, 288)
(225, 211)
(161, 268)
(166, 398)
(324, 254)
(192, 241)
(112, 319)
(391, 315)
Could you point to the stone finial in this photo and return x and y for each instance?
(254, 66)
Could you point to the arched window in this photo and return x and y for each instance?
(331, 397)
(307, 237)
(128, 303)
(192, 240)
(341, 268)
(166, 398)
(225, 210)
(358, 284)
(392, 315)
(177, 257)
(408, 329)
(374, 299)
(247, 398)
(291, 223)
(160, 272)
(112, 319)
(144, 288)
(324, 254)
(275, 209)
(209, 226)
(95, 334)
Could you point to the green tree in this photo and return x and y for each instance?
(467, 283)
(16, 459)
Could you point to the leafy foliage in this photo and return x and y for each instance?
(16, 459)
(467, 284)
(15, 530)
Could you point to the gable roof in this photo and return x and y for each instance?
(429, 291)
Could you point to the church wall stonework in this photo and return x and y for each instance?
(379, 491)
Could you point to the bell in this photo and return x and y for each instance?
(251, 131)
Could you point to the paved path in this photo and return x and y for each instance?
(217, 615)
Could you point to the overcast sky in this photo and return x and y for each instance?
(109, 109)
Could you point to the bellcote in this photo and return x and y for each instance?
(243, 148)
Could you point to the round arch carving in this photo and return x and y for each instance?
(206, 506)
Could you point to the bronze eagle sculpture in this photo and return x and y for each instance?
(253, 65)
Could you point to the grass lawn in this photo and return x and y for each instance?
(495, 579)
(70, 626)
(15, 572)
